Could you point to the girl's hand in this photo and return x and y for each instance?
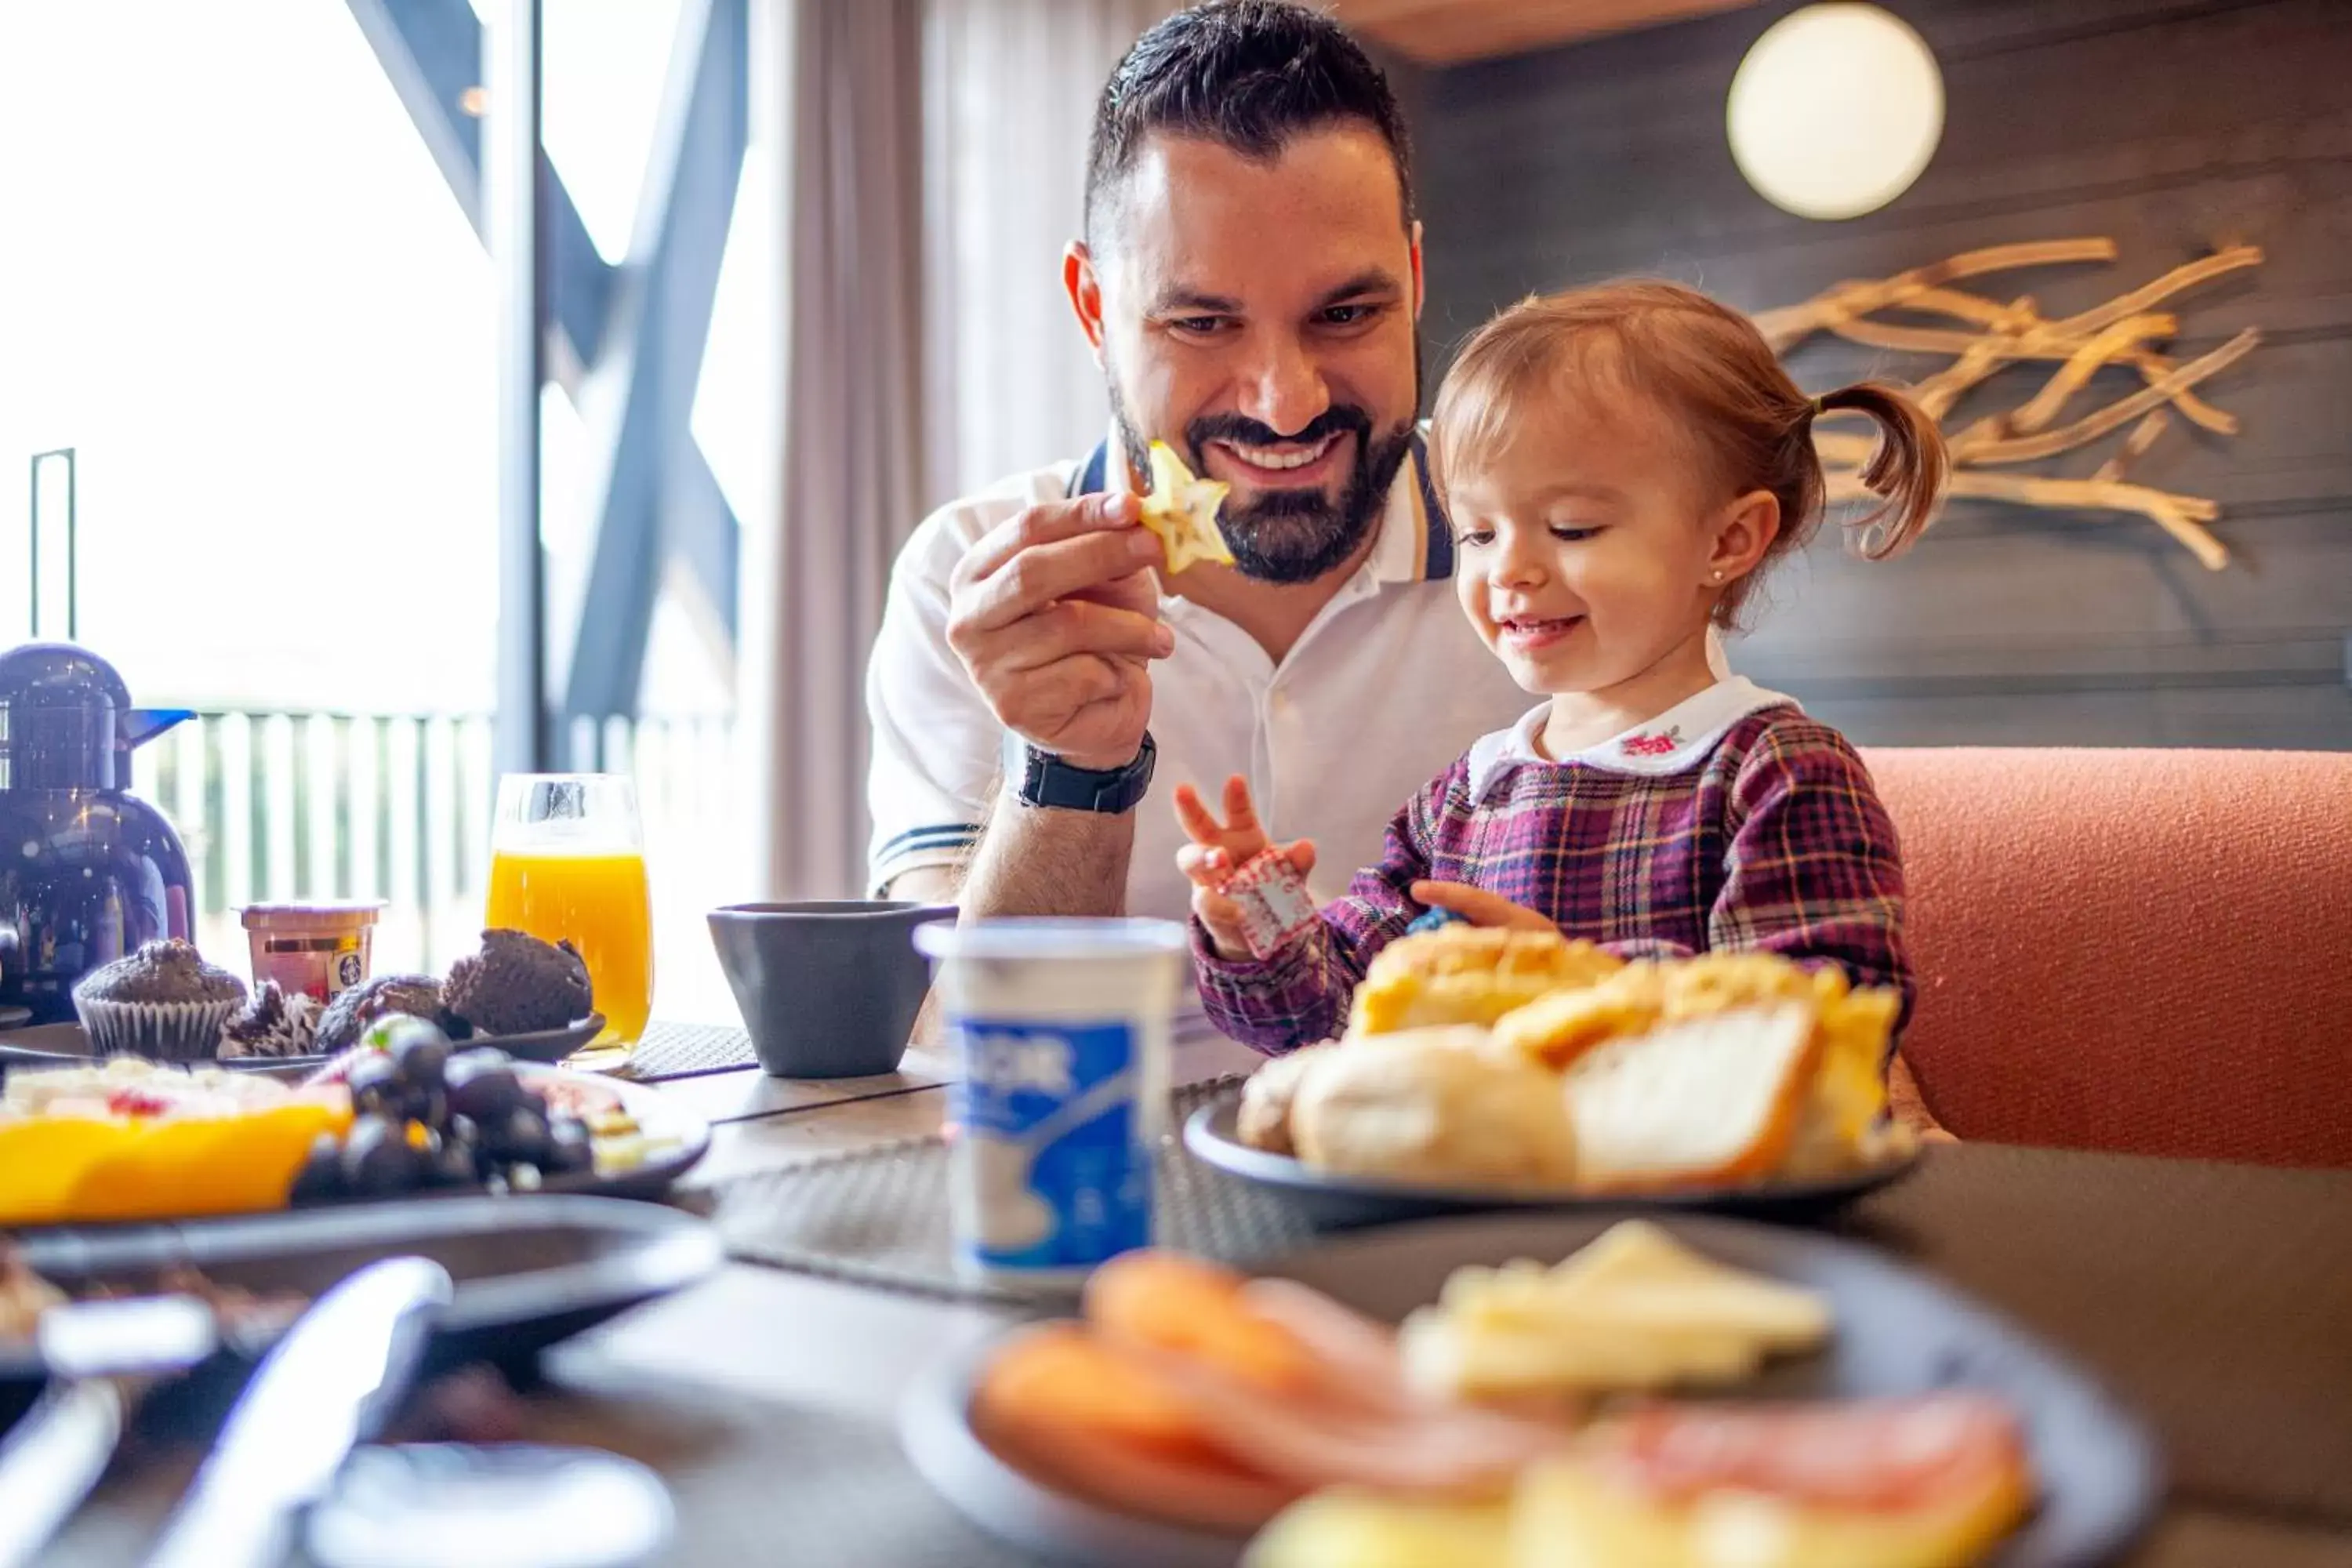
(1479, 906)
(1217, 850)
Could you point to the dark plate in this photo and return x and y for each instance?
(529, 1272)
(1333, 1201)
(68, 1045)
(1899, 1331)
(547, 1045)
(64, 1045)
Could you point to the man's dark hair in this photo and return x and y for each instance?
(1248, 74)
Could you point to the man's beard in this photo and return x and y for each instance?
(1288, 536)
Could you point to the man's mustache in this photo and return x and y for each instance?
(1341, 418)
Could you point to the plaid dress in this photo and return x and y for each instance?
(1765, 837)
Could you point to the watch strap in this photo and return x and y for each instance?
(1047, 780)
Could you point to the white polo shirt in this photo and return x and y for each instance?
(1383, 690)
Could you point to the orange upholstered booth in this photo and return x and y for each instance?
(2148, 950)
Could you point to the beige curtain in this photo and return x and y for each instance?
(840, 85)
(930, 159)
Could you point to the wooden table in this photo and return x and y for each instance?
(2218, 1299)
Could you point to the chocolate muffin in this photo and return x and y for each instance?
(273, 1024)
(163, 1002)
(348, 1014)
(519, 984)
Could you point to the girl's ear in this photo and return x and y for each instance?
(1744, 530)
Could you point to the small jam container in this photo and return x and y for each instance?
(320, 949)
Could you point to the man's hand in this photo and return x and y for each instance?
(1217, 850)
(1056, 620)
(1479, 906)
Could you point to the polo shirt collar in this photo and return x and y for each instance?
(1673, 741)
(1416, 543)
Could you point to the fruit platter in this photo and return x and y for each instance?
(408, 1111)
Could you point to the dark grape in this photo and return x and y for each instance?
(421, 1050)
(483, 1086)
(376, 1088)
(481, 1056)
(520, 1135)
(453, 1164)
(378, 1160)
(569, 1147)
(465, 1134)
(322, 1177)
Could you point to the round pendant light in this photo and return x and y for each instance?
(1835, 110)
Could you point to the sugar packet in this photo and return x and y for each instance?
(1274, 903)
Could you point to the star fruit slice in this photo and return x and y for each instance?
(1182, 510)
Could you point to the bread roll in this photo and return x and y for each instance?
(1264, 1120)
(1432, 1105)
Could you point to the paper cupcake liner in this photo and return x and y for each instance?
(160, 1031)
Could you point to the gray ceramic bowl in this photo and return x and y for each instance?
(827, 989)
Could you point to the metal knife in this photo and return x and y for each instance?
(330, 1382)
(102, 1357)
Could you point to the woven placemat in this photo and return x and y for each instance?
(688, 1050)
(879, 1215)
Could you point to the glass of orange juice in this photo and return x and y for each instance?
(568, 864)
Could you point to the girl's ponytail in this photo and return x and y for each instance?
(1910, 468)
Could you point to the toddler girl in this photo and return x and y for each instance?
(1619, 465)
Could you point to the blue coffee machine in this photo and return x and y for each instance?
(88, 870)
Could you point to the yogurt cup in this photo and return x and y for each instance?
(1060, 1030)
(322, 948)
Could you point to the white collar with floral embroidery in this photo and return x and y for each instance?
(1671, 741)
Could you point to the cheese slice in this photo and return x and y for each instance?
(1182, 510)
(1637, 1276)
(1635, 1309)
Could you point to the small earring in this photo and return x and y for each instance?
(1715, 577)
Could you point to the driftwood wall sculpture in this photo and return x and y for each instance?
(2127, 333)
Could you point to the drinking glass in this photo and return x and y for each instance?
(568, 864)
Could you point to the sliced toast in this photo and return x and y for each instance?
(1710, 1101)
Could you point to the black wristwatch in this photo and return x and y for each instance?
(1046, 780)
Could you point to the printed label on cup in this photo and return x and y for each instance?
(1050, 1170)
